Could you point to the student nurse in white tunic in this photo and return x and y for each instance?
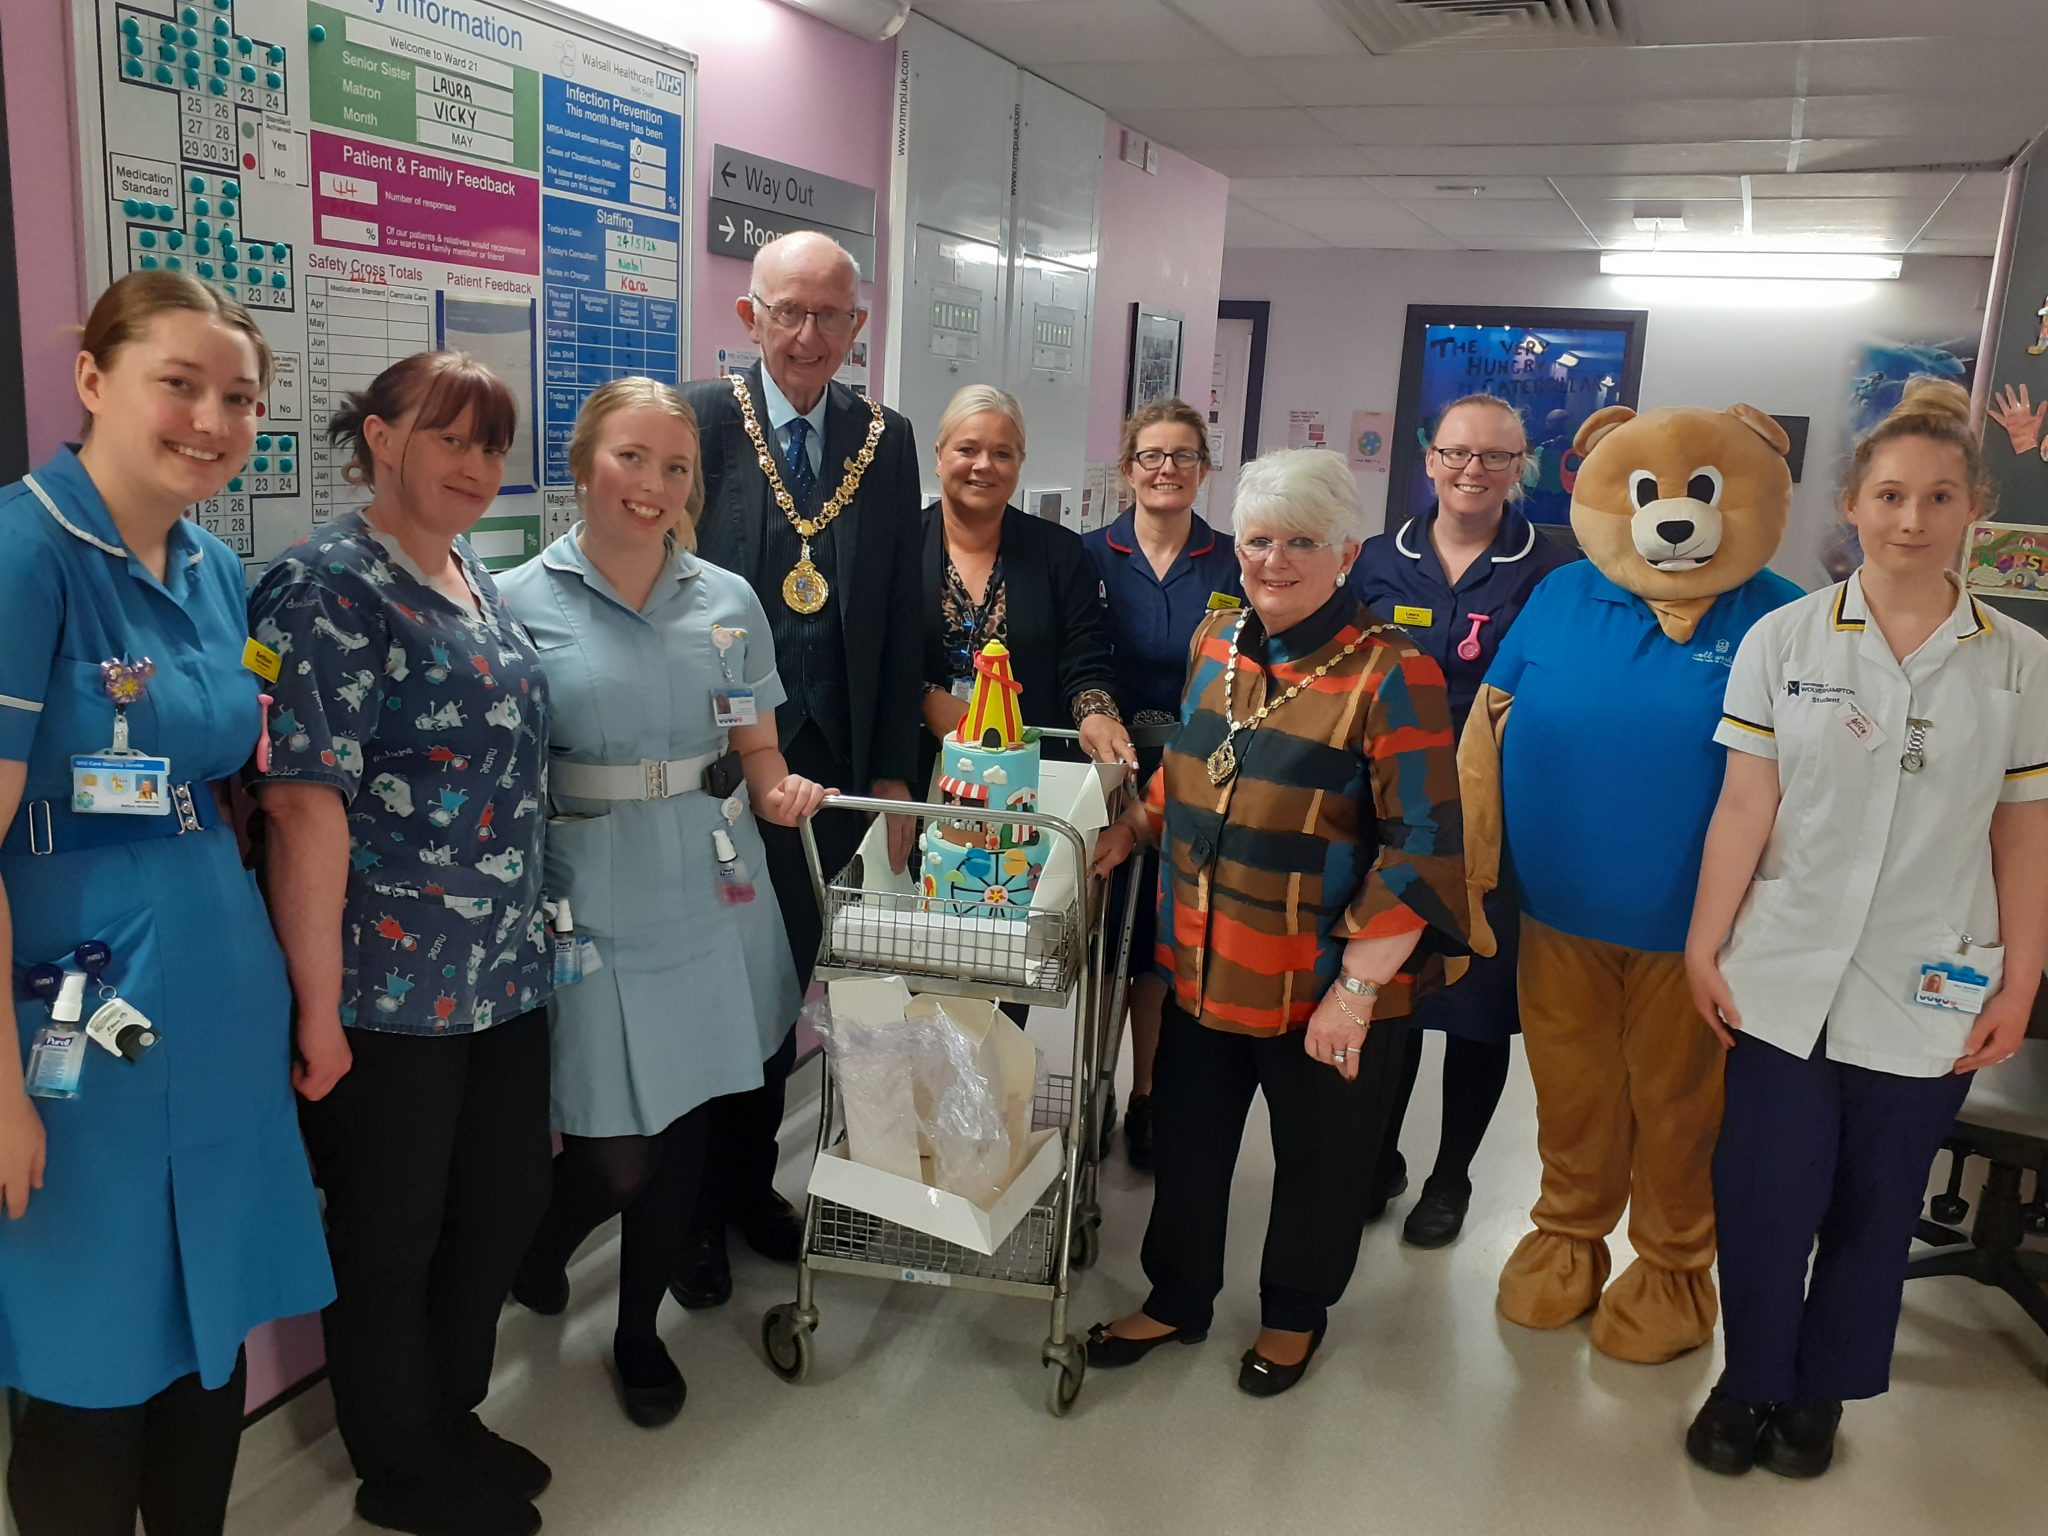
(659, 664)
(1880, 853)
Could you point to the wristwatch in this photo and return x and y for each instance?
(1357, 987)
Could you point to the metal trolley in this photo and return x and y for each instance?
(1050, 957)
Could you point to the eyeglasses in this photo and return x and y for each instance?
(1297, 549)
(1152, 458)
(1495, 459)
(835, 323)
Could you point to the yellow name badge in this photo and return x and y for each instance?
(262, 660)
(1223, 602)
(1422, 618)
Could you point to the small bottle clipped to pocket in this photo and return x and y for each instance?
(568, 955)
(56, 1061)
(735, 885)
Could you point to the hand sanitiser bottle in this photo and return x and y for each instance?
(735, 885)
(568, 960)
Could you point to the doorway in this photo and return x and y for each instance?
(1237, 384)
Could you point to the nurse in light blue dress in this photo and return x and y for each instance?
(166, 1209)
(660, 665)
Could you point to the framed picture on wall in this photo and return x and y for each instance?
(1155, 355)
(1555, 366)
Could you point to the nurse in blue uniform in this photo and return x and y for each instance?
(658, 664)
(1161, 567)
(1455, 579)
(160, 1207)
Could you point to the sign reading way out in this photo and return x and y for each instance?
(754, 199)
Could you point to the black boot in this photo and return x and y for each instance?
(704, 1277)
(1439, 1216)
(1723, 1436)
(1799, 1441)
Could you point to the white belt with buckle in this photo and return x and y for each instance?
(643, 780)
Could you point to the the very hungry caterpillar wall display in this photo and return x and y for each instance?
(973, 863)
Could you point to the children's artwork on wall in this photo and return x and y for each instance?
(1878, 372)
(1554, 366)
(2011, 408)
(2007, 559)
(2041, 341)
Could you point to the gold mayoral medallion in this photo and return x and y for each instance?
(1222, 763)
(805, 588)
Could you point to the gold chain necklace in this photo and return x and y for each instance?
(805, 589)
(1222, 763)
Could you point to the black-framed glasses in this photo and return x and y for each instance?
(1495, 459)
(1152, 458)
(835, 323)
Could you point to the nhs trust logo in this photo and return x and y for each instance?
(1722, 655)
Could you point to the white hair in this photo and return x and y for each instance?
(1309, 491)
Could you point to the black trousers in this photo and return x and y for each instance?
(1326, 1136)
(89, 1471)
(1475, 1076)
(740, 1152)
(434, 1155)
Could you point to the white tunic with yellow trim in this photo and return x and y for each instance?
(1873, 870)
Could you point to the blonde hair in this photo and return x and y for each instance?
(629, 394)
(1162, 413)
(1303, 490)
(1936, 409)
(972, 401)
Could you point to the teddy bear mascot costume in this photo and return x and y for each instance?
(1590, 758)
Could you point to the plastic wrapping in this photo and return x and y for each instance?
(936, 1089)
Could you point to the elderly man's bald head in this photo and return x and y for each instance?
(812, 278)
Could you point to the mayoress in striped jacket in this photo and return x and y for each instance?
(1312, 887)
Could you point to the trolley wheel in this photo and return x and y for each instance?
(1087, 1243)
(1948, 1209)
(1063, 1386)
(786, 1340)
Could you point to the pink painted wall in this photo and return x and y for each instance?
(770, 81)
(1162, 244)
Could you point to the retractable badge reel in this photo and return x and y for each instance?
(116, 1025)
(121, 781)
(732, 704)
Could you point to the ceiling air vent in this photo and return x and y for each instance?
(1400, 26)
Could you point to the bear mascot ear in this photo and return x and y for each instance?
(1765, 427)
(1600, 423)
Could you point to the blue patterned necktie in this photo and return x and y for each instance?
(803, 480)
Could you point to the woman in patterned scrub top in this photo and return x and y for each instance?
(406, 772)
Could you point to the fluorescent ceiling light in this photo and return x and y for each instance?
(1814, 264)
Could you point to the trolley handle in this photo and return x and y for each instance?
(1057, 826)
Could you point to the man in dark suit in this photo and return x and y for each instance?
(830, 538)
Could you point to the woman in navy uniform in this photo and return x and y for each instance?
(1160, 566)
(166, 1209)
(1455, 579)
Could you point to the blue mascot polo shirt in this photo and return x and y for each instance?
(1609, 767)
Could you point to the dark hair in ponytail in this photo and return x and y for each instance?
(438, 389)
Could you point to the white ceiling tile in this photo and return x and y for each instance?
(1934, 247)
(1316, 160)
(1917, 18)
(1477, 217)
(1478, 160)
(1073, 31)
(1919, 153)
(1121, 88)
(1412, 189)
(1248, 228)
(1342, 220)
(1513, 242)
(1537, 76)
(1930, 66)
(1258, 128)
(1272, 27)
(1993, 120)
(1724, 21)
(1830, 220)
(1254, 188)
(1575, 122)
(1966, 220)
(1705, 218)
(1593, 188)
(1911, 184)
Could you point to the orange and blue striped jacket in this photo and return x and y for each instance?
(1342, 822)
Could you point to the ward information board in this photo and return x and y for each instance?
(374, 178)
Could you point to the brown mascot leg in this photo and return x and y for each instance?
(1664, 1303)
(1572, 1008)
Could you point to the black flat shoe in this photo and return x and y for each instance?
(1107, 1351)
(1138, 1133)
(1799, 1441)
(703, 1279)
(1263, 1378)
(650, 1386)
(501, 1461)
(443, 1506)
(1723, 1436)
(775, 1230)
(1438, 1217)
(541, 1290)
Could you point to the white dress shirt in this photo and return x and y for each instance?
(1873, 871)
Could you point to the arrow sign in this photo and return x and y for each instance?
(725, 227)
(725, 173)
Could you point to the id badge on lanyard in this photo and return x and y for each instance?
(120, 781)
(732, 704)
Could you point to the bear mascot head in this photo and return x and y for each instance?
(1680, 505)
